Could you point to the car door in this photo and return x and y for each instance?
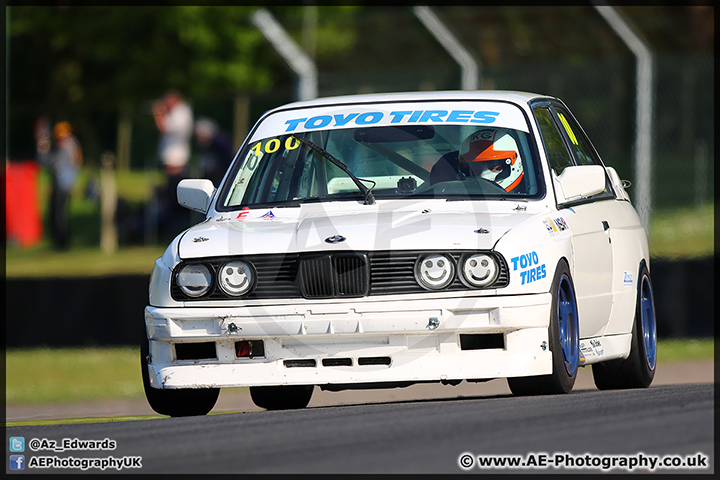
(588, 220)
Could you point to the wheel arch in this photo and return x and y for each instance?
(625, 299)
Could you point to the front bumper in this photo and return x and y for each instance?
(377, 341)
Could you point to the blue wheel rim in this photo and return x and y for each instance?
(647, 319)
(567, 325)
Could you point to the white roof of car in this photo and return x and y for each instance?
(507, 95)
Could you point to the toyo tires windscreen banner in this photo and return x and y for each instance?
(494, 114)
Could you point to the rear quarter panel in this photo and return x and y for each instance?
(630, 248)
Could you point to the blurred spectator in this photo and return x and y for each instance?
(41, 130)
(63, 161)
(174, 119)
(216, 149)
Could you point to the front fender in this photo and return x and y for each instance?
(532, 251)
(161, 277)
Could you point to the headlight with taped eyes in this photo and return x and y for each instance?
(435, 271)
(479, 270)
(236, 278)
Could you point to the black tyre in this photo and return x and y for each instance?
(178, 402)
(283, 397)
(564, 338)
(638, 370)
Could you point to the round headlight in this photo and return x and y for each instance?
(479, 270)
(236, 278)
(194, 280)
(434, 271)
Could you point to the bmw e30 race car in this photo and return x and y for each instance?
(389, 239)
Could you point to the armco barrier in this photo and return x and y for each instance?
(684, 297)
(109, 310)
(75, 311)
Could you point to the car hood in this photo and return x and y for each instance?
(386, 225)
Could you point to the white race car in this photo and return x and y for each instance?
(384, 240)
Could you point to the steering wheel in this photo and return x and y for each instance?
(471, 185)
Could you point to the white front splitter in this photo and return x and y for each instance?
(422, 344)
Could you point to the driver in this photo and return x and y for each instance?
(492, 154)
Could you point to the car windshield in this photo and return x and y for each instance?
(462, 150)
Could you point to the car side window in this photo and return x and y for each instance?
(557, 153)
(580, 145)
(584, 153)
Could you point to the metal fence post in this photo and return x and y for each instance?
(470, 70)
(301, 64)
(108, 204)
(644, 109)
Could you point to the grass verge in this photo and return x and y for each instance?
(43, 262)
(683, 233)
(673, 350)
(65, 375)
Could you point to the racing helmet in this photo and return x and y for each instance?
(493, 153)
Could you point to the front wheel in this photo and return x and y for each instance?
(282, 397)
(638, 370)
(564, 337)
(176, 403)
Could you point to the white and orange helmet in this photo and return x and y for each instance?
(492, 147)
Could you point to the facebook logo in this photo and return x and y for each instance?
(17, 462)
(17, 444)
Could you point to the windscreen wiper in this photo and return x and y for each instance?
(369, 197)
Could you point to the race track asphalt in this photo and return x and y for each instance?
(420, 435)
(238, 400)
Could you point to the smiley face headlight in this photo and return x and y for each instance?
(194, 280)
(479, 270)
(236, 278)
(434, 271)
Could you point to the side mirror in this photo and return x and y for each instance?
(579, 181)
(195, 194)
(618, 185)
